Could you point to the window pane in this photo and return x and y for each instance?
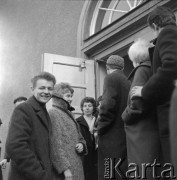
(106, 19)
(106, 12)
(112, 3)
(122, 5)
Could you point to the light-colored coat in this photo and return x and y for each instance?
(65, 136)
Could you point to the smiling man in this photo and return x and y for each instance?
(28, 143)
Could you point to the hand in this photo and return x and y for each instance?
(136, 91)
(3, 163)
(79, 147)
(95, 134)
(68, 175)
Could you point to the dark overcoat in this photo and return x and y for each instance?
(89, 161)
(173, 129)
(160, 86)
(143, 142)
(111, 133)
(28, 143)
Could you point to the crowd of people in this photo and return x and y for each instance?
(130, 128)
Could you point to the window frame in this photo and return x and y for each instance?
(99, 13)
(114, 37)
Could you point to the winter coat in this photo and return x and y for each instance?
(143, 142)
(90, 160)
(27, 144)
(65, 136)
(160, 86)
(173, 129)
(1, 178)
(111, 133)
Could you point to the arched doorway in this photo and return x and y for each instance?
(107, 29)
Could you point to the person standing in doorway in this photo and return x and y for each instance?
(143, 142)
(111, 133)
(27, 143)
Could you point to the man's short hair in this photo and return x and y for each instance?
(62, 88)
(161, 16)
(43, 75)
(138, 51)
(21, 98)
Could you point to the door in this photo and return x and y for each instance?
(79, 73)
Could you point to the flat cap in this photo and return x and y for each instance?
(21, 98)
(116, 61)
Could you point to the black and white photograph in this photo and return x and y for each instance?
(88, 89)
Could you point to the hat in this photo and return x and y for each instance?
(116, 61)
(21, 98)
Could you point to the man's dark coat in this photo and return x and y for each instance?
(173, 129)
(27, 143)
(160, 86)
(112, 140)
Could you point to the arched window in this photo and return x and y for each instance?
(107, 11)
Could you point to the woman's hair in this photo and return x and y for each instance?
(138, 51)
(88, 100)
(161, 16)
(62, 88)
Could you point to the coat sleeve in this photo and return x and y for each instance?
(17, 146)
(82, 140)
(108, 104)
(58, 151)
(136, 107)
(167, 73)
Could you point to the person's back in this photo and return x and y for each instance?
(111, 133)
(143, 142)
(160, 86)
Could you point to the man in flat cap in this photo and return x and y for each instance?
(111, 134)
(16, 102)
(19, 100)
